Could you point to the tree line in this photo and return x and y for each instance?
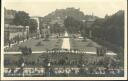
(109, 29)
(23, 18)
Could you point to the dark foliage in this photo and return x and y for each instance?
(21, 18)
(110, 29)
(32, 25)
(72, 25)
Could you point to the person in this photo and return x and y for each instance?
(99, 51)
(12, 70)
(30, 51)
(25, 50)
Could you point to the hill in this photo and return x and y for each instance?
(62, 14)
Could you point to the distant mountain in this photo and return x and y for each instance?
(64, 13)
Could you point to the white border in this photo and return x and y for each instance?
(62, 78)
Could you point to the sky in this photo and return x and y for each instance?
(43, 7)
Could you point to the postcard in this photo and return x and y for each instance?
(64, 40)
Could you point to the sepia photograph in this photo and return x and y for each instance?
(64, 40)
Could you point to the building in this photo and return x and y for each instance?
(45, 30)
(11, 32)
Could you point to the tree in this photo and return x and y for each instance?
(57, 29)
(21, 18)
(25, 51)
(72, 25)
(83, 31)
(110, 28)
(32, 25)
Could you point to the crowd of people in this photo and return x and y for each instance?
(65, 71)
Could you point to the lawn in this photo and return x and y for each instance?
(38, 44)
(87, 45)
